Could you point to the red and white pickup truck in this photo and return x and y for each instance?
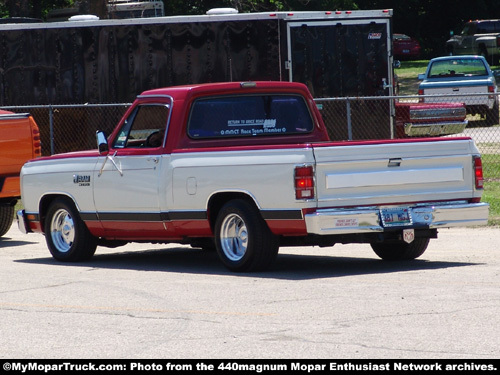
(248, 167)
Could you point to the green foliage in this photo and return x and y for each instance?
(3, 10)
(39, 9)
(177, 7)
(33, 9)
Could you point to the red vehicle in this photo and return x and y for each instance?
(247, 168)
(20, 140)
(405, 47)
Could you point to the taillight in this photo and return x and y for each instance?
(304, 182)
(37, 144)
(420, 92)
(35, 134)
(478, 172)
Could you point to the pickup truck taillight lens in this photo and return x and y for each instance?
(478, 172)
(304, 182)
(421, 92)
(491, 89)
(37, 145)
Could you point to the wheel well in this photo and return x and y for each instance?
(45, 203)
(217, 201)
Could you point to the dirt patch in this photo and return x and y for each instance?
(408, 85)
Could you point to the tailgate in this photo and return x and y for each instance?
(385, 173)
(16, 142)
(446, 94)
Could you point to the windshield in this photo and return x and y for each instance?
(457, 67)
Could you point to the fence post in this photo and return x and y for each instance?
(51, 128)
(349, 122)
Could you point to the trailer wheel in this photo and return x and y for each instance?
(6, 218)
(400, 250)
(66, 234)
(243, 239)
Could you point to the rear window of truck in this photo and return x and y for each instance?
(459, 67)
(249, 116)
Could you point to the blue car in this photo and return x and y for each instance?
(466, 79)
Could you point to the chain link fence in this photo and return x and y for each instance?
(66, 128)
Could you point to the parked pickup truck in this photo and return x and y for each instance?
(20, 141)
(478, 37)
(247, 168)
(429, 119)
(465, 79)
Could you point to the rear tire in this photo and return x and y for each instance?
(6, 218)
(243, 239)
(67, 236)
(493, 115)
(400, 250)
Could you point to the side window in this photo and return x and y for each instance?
(467, 30)
(249, 116)
(144, 128)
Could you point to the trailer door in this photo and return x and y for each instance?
(346, 58)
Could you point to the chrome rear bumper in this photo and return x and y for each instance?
(434, 129)
(365, 220)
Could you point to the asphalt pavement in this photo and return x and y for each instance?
(170, 301)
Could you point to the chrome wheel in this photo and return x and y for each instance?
(62, 230)
(234, 237)
(243, 239)
(67, 236)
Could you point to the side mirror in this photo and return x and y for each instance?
(421, 76)
(102, 142)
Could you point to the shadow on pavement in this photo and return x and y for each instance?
(8, 242)
(287, 266)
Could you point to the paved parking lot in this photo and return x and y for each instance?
(157, 301)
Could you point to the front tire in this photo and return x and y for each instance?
(67, 236)
(400, 250)
(243, 239)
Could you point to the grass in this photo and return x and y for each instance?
(491, 171)
(408, 76)
(491, 195)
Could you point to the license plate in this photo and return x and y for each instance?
(406, 51)
(392, 217)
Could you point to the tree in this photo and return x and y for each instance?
(33, 9)
(18, 8)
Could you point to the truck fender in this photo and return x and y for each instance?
(47, 199)
(487, 41)
(217, 200)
